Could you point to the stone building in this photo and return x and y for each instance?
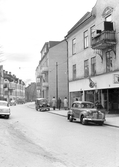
(11, 87)
(93, 56)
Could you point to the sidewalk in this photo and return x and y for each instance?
(111, 119)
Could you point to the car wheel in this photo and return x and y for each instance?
(101, 123)
(7, 116)
(71, 118)
(83, 122)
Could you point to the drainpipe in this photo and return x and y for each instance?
(68, 98)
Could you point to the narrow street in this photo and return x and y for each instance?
(41, 139)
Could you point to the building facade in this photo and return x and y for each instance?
(10, 86)
(51, 73)
(93, 56)
(30, 92)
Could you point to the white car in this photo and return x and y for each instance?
(4, 109)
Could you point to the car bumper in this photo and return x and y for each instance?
(94, 120)
(4, 113)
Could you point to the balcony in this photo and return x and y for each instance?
(38, 84)
(45, 84)
(39, 75)
(44, 70)
(106, 39)
(38, 87)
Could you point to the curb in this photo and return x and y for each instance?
(66, 116)
(115, 126)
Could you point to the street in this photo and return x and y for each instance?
(41, 139)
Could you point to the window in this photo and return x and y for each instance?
(74, 46)
(109, 61)
(86, 68)
(92, 29)
(74, 71)
(108, 18)
(86, 39)
(93, 65)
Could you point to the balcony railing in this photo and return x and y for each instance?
(45, 84)
(44, 70)
(104, 40)
(38, 87)
(39, 75)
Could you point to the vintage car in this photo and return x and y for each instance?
(12, 103)
(85, 112)
(4, 109)
(41, 104)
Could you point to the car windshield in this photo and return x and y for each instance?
(42, 101)
(3, 103)
(87, 105)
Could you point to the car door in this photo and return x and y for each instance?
(75, 110)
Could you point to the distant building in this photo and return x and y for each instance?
(51, 73)
(10, 86)
(93, 55)
(30, 92)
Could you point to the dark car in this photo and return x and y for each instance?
(41, 104)
(20, 101)
(85, 112)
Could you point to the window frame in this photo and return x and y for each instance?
(92, 33)
(93, 66)
(86, 65)
(86, 39)
(74, 71)
(109, 61)
(74, 46)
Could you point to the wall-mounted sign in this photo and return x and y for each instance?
(116, 78)
(107, 11)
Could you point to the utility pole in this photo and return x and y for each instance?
(57, 83)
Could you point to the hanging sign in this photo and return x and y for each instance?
(116, 78)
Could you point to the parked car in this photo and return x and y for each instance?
(85, 112)
(4, 109)
(41, 104)
(20, 101)
(12, 103)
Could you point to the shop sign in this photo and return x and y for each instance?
(116, 78)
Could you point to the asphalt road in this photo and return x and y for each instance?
(41, 139)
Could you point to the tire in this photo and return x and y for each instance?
(83, 122)
(71, 118)
(7, 116)
(101, 123)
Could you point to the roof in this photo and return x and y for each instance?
(80, 22)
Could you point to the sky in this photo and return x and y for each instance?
(25, 25)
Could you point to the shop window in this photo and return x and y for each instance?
(86, 39)
(74, 46)
(86, 68)
(109, 61)
(93, 66)
(74, 71)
